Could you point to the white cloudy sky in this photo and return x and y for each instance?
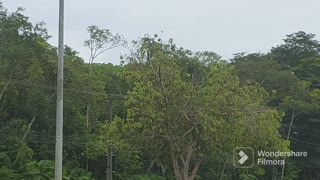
(225, 26)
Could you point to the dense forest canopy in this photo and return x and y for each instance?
(176, 114)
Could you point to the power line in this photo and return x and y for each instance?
(307, 132)
(302, 127)
(306, 163)
(306, 142)
(65, 89)
(308, 129)
(298, 140)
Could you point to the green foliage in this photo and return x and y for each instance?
(247, 177)
(147, 177)
(292, 172)
(297, 46)
(77, 174)
(184, 112)
(183, 118)
(127, 158)
(308, 70)
(6, 174)
(208, 58)
(263, 70)
(102, 40)
(39, 170)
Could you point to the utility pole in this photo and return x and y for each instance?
(109, 171)
(109, 164)
(110, 154)
(59, 112)
(294, 114)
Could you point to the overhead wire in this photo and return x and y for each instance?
(306, 142)
(306, 132)
(303, 127)
(68, 90)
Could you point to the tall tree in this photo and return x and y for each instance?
(184, 120)
(297, 46)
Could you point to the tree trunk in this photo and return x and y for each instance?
(29, 127)
(196, 168)
(176, 167)
(33, 120)
(8, 82)
(274, 177)
(182, 167)
(87, 124)
(4, 88)
(88, 112)
(223, 169)
(87, 116)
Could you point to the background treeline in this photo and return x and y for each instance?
(176, 114)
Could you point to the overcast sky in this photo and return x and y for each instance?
(225, 27)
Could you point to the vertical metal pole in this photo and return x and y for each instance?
(59, 112)
(288, 137)
(109, 164)
(110, 154)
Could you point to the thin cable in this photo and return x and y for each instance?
(310, 133)
(302, 127)
(65, 89)
(305, 142)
